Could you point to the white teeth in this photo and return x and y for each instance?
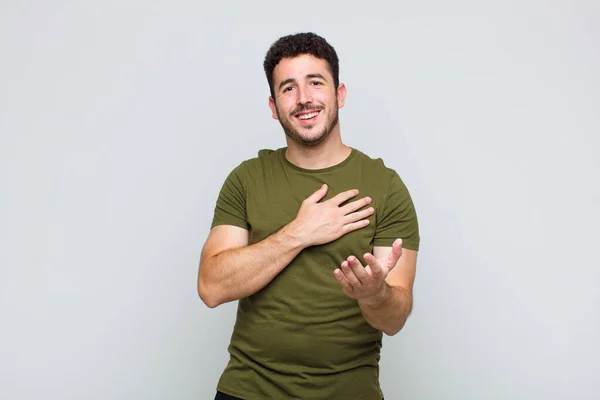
(307, 116)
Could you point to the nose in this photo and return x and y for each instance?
(304, 95)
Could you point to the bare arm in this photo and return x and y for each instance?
(390, 311)
(230, 269)
(227, 275)
(383, 288)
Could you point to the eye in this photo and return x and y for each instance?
(287, 89)
(315, 83)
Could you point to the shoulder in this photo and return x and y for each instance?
(264, 160)
(374, 166)
(268, 156)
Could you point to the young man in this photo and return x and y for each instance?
(316, 240)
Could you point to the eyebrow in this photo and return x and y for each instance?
(316, 76)
(309, 76)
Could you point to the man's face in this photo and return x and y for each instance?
(305, 100)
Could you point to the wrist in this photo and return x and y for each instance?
(379, 299)
(292, 235)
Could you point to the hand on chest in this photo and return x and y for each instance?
(272, 206)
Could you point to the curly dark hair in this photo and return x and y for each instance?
(297, 44)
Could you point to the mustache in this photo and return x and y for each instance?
(305, 108)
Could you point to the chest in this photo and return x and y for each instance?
(272, 204)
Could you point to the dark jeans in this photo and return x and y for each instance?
(223, 396)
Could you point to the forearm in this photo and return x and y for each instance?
(237, 273)
(389, 312)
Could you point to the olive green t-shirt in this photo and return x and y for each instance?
(301, 337)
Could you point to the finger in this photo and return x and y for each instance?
(396, 253)
(356, 216)
(356, 205)
(349, 274)
(318, 195)
(339, 275)
(376, 269)
(359, 271)
(344, 196)
(354, 226)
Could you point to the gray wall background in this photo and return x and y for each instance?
(119, 123)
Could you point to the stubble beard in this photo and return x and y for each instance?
(315, 140)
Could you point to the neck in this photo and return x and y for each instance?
(327, 154)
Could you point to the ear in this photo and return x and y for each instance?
(273, 107)
(341, 95)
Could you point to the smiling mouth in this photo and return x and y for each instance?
(308, 117)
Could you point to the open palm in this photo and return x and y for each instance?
(361, 282)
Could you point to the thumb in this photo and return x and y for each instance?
(396, 253)
(318, 195)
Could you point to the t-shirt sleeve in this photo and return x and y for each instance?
(231, 203)
(398, 218)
